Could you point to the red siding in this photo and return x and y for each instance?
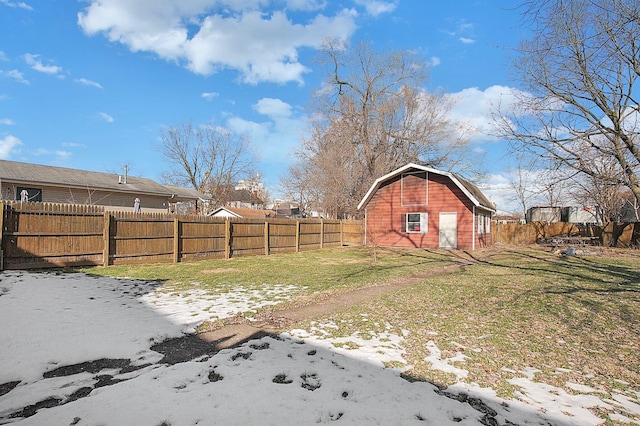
(385, 213)
(414, 189)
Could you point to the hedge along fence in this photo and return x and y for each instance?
(40, 235)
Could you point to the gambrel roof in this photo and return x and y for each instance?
(470, 190)
(36, 174)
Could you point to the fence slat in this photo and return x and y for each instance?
(2, 214)
(106, 239)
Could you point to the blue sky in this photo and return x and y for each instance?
(91, 84)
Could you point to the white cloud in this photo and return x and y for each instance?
(434, 61)
(499, 188)
(273, 108)
(7, 121)
(86, 82)
(16, 75)
(3, 56)
(58, 155)
(209, 35)
(210, 95)
(73, 145)
(7, 145)
(464, 32)
(19, 5)
(106, 117)
(474, 109)
(377, 7)
(36, 64)
(275, 139)
(306, 5)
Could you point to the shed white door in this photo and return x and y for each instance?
(448, 230)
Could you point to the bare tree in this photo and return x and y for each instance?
(207, 158)
(580, 67)
(607, 196)
(522, 182)
(297, 186)
(371, 117)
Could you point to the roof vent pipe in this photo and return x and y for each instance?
(125, 173)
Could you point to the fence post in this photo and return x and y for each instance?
(2, 207)
(266, 238)
(341, 233)
(176, 240)
(106, 236)
(297, 236)
(321, 233)
(227, 239)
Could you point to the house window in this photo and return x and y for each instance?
(417, 223)
(30, 194)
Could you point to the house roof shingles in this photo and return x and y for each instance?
(36, 174)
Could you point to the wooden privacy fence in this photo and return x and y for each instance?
(612, 235)
(40, 235)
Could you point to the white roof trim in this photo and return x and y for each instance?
(219, 209)
(409, 166)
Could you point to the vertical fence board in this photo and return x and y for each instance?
(106, 252)
(176, 240)
(2, 215)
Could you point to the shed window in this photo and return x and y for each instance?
(417, 223)
(484, 224)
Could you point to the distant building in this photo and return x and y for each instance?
(240, 212)
(508, 217)
(286, 209)
(544, 214)
(569, 214)
(243, 198)
(574, 214)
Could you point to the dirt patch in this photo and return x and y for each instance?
(272, 321)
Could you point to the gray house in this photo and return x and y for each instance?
(38, 183)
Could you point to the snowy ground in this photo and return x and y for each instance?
(51, 324)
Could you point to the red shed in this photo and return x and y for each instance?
(417, 206)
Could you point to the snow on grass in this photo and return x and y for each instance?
(382, 349)
(554, 404)
(446, 365)
(192, 307)
(51, 321)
